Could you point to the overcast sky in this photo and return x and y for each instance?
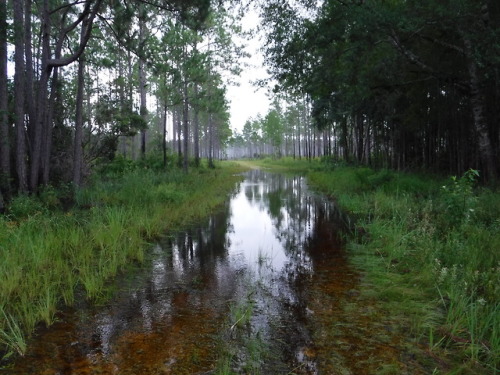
(246, 100)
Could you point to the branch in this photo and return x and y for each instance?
(117, 37)
(443, 44)
(394, 39)
(66, 6)
(87, 23)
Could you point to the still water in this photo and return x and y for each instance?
(260, 287)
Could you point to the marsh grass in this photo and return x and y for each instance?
(241, 349)
(46, 252)
(430, 255)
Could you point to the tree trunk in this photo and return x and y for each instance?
(4, 118)
(478, 104)
(142, 80)
(164, 138)
(47, 133)
(210, 142)
(30, 97)
(19, 95)
(78, 142)
(185, 123)
(179, 131)
(196, 131)
(42, 101)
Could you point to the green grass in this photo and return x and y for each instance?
(241, 350)
(46, 252)
(430, 255)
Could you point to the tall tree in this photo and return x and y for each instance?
(4, 118)
(372, 67)
(142, 73)
(19, 92)
(78, 141)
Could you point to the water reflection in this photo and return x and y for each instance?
(165, 315)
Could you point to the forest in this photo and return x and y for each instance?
(402, 85)
(397, 84)
(76, 78)
(115, 127)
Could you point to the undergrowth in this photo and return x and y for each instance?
(47, 250)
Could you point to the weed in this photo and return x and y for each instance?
(11, 334)
(458, 197)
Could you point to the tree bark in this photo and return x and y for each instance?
(47, 133)
(164, 138)
(78, 142)
(185, 125)
(478, 104)
(19, 94)
(30, 75)
(210, 142)
(42, 101)
(142, 79)
(196, 131)
(4, 118)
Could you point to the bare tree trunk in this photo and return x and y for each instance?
(185, 123)
(299, 136)
(142, 79)
(196, 131)
(47, 131)
(4, 118)
(47, 134)
(30, 98)
(42, 102)
(78, 142)
(179, 131)
(19, 88)
(164, 138)
(210, 142)
(478, 110)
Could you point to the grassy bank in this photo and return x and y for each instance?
(47, 251)
(430, 249)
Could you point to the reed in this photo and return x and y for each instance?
(45, 253)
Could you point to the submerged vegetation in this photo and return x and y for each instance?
(429, 249)
(51, 253)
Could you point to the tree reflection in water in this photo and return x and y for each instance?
(273, 237)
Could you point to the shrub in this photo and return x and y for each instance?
(24, 206)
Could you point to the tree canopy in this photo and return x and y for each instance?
(404, 83)
(97, 77)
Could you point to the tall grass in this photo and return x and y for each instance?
(444, 256)
(430, 252)
(45, 252)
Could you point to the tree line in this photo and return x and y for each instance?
(82, 81)
(398, 84)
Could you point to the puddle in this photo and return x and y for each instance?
(273, 252)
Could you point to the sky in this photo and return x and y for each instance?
(246, 100)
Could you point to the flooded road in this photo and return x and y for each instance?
(261, 287)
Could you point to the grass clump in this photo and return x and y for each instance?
(47, 252)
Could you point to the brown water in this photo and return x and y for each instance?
(273, 250)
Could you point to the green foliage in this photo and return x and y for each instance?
(458, 197)
(25, 206)
(395, 65)
(45, 254)
(434, 269)
(455, 263)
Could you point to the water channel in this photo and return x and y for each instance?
(262, 286)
